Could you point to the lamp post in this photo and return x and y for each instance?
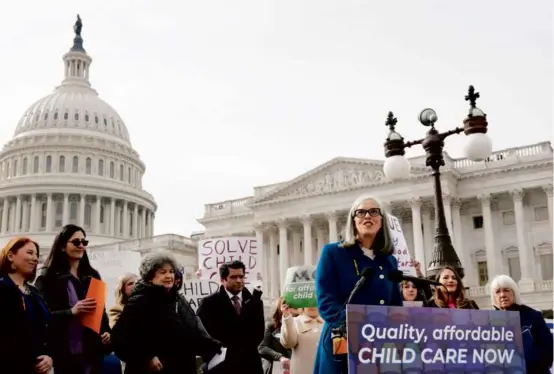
(397, 167)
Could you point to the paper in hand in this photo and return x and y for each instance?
(217, 359)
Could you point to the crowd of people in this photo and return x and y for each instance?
(153, 329)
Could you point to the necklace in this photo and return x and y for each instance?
(25, 289)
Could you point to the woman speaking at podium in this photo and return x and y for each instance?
(367, 244)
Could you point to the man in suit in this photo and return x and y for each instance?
(235, 317)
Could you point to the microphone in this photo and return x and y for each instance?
(366, 274)
(398, 276)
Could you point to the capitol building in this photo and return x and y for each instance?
(71, 160)
(498, 211)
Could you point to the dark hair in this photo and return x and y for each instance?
(154, 261)
(14, 246)
(441, 298)
(57, 260)
(224, 269)
(277, 314)
(420, 295)
(178, 279)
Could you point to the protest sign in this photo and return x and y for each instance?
(299, 289)
(214, 252)
(111, 265)
(400, 247)
(433, 340)
(196, 290)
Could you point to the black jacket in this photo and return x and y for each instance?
(271, 348)
(158, 323)
(53, 287)
(23, 337)
(241, 334)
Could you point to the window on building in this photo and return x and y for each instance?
(546, 266)
(25, 166)
(73, 212)
(121, 172)
(112, 169)
(101, 213)
(478, 222)
(48, 164)
(88, 166)
(514, 268)
(6, 170)
(14, 170)
(101, 168)
(483, 273)
(129, 175)
(75, 166)
(10, 215)
(35, 164)
(43, 211)
(508, 218)
(88, 212)
(59, 215)
(541, 213)
(61, 164)
(121, 220)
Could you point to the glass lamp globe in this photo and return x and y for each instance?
(478, 147)
(396, 167)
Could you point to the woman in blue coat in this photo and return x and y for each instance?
(367, 243)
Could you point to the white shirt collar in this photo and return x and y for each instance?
(239, 295)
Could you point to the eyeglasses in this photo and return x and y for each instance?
(373, 212)
(78, 242)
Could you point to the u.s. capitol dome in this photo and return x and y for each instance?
(71, 161)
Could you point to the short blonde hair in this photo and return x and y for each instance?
(504, 281)
(383, 235)
(120, 297)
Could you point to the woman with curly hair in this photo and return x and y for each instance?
(153, 320)
(451, 294)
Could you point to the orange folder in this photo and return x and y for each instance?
(97, 290)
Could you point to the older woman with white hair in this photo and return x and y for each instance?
(367, 244)
(537, 339)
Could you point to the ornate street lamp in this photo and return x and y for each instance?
(397, 167)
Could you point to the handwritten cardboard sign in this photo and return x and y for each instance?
(401, 251)
(214, 252)
(195, 290)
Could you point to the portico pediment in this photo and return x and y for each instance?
(339, 174)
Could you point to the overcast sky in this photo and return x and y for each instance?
(220, 96)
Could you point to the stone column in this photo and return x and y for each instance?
(273, 262)
(135, 222)
(447, 201)
(125, 231)
(525, 256)
(5, 223)
(283, 250)
(143, 223)
(112, 217)
(35, 215)
(419, 249)
(17, 221)
(308, 250)
(470, 279)
(295, 252)
(320, 238)
(428, 232)
(49, 212)
(152, 219)
(548, 191)
(82, 202)
(25, 214)
(97, 215)
(490, 246)
(65, 209)
(332, 219)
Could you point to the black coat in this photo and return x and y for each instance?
(271, 348)
(241, 334)
(23, 337)
(158, 323)
(53, 287)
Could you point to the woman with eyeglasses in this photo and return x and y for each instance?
(24, 347)
(367, 244)
(64, 281)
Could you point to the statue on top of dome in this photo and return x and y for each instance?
(78, 26)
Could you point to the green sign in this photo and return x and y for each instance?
(300, 287)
